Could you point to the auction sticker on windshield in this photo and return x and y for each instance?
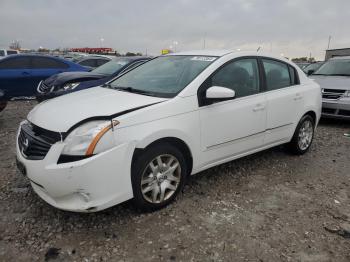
(203, 58)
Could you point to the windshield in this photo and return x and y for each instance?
(335, 67)
(313, 66)
(111, 67)
(164, 76)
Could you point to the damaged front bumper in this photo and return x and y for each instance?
(88, 185)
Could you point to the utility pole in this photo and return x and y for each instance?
(329, 41)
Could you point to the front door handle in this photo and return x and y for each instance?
(259, 107)
(25, 73)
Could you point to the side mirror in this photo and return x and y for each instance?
(310, 72)
(219, 93)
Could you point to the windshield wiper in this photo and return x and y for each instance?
(107, 85)
(132, 90)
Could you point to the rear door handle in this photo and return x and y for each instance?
(25, 73)
(259, 107)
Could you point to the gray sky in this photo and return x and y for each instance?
(291, 27)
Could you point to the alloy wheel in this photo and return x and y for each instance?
(305, 135)
(161, 178)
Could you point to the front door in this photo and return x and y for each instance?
(236, 126)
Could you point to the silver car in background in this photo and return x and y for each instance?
(334, 80)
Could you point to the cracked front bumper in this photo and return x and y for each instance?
(87, 185)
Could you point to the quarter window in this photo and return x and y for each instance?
(277, 74)
(242, 76)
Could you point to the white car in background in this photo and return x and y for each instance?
(142, 134)
(6, 52)
(334, 80)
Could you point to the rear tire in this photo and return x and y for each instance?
(158, 175)
(303, 136)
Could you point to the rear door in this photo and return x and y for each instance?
(44, 67)
(284, 100)
(15, 76)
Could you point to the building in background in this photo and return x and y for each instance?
(337, 52)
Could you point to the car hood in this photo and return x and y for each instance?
(62, 113)
(62, 78)
(332, 82)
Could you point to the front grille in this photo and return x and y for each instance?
(34, 142)
(333, 94)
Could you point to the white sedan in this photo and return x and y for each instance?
(142, 134)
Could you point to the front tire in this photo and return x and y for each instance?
(303, 136)
(158, 175)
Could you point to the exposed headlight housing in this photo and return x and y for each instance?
(71, 86)
(90, 138)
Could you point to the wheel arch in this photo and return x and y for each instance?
(174, 141)
(312, 114)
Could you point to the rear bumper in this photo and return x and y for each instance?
(87, 185)
(336, 108)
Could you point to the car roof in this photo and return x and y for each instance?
(205, 52)
(221, 53)
(340, 58)
(32, 55)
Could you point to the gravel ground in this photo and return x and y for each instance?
(270, 206)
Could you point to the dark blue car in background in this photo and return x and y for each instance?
(65, 83)
(21, 74)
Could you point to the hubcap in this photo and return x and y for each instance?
(306, 133)
(161, 178)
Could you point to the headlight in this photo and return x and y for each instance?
(90, 138)
(347, 93)
(70, 86)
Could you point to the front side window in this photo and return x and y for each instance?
(242, 76)
(164, 76)
(277, 74)
(336, 67)
(46, 62)
(15, 63)
(2, 53)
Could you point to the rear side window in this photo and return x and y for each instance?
(242, 76)
(46, 62)
(277, 74)
(15, 63)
